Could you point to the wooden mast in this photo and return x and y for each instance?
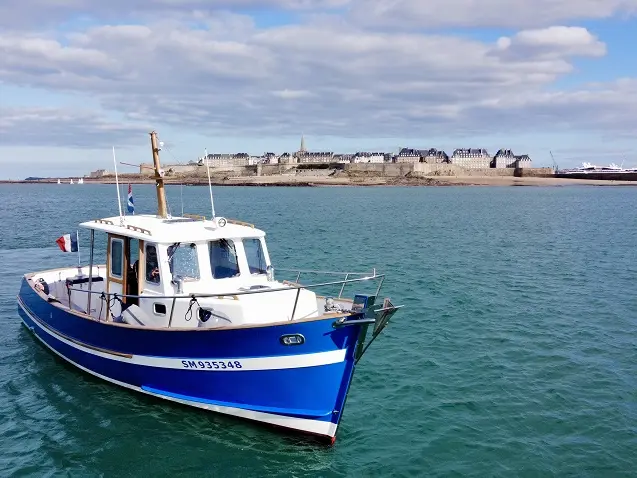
(159, 179)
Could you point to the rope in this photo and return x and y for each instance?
(193, 301)
(110, 306)
(68, 293)
(103, 298)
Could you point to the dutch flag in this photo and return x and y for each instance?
(68, 242)
(131, 204)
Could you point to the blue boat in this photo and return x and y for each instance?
(187, 309)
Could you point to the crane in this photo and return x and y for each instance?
(137, 165)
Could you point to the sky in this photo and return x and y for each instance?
(79, 77)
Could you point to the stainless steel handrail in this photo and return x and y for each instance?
(309, 271)
(195, 296)
(225, 294)
(347, 274)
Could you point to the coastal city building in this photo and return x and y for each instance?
(471, 158)
(343, 158)
(523, 161)
(505, 158)
(286, 158)
(217, 160)
(409, 155)
(435, 156)
(367, 157)
(100, 173)
(315, 157)
(432, 156)
(270, 158)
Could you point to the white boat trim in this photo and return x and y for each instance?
(316, 427)
(212, 364)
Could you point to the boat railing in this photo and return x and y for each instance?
(347, 275)
(288, 286)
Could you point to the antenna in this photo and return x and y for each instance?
(212, 204)
(119, 200)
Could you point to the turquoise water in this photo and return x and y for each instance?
(515, 354)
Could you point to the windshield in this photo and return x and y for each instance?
(183, 261)
(255, 256)
(223, 259)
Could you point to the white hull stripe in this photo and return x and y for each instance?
(311, 426)
(204, 365)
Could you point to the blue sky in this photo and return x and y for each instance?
(250, 76)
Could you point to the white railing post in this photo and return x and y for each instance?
(343, 286)
(298, 292)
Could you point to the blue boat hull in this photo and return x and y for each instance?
(245, 371)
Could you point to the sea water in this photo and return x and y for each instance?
(515, 353)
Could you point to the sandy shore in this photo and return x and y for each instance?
(513, 181)
(424, 181)
(289, 180)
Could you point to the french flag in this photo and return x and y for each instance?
(68, 242)
(131, 203)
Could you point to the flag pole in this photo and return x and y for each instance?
(130, 202)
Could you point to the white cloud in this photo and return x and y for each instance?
(26, 52)
(550, 43)
(64, 128)
(487, 13)
(40, 13)
(604, 108)
(292, 94)
(326, 78)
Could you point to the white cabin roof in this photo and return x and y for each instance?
(172, 229)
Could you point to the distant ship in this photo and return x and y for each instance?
(591, 168)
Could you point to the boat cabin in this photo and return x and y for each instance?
(162, 269)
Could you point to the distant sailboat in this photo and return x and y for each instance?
(71, 181)
(80, 181)
(59, 182)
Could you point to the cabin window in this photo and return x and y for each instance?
(152, 265)
(255, 256)
(117, 257)
(223, 259)
(183, 261)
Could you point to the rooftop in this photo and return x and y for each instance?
(172, 229)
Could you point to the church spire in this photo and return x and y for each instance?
(302, 150)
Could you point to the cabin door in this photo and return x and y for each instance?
(117, 258)
(132, 280)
